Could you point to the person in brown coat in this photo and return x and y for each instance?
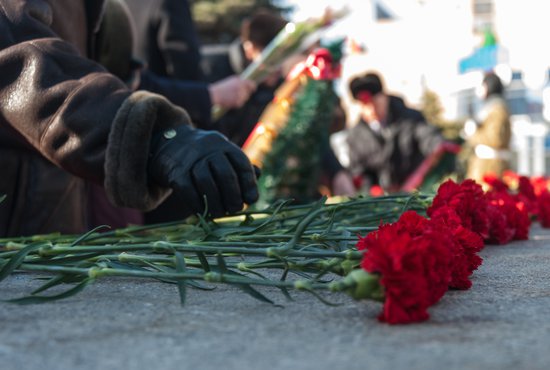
(64, 120)
(490, 143)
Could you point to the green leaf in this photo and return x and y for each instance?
(302, 274)
(286, 293)
(221, 263)
(247, 288)
(2, 197)
(197, 285)
(204, 261)
(283, 289)
(123, 266)
(18, 259)
(68, 259)
(55, 281)
(323, 300)
(160, 268)
(308, 216)
(33, 299)
(278, 208)
(343, 244)
(180, 267)
(250, 271)
(285, 274)
(88, 234)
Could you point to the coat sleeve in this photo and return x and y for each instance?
(71, 111)
(366, 154)
(428, 137)
(193, 96)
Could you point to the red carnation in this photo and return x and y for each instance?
(469, 260)
(412, 223)
(500, 232)
(510, 178)
(521, 220)
(526, 188)
(415, 269)
(509, 219)
(467, 200)
(465, 247)
(495, 183)
(544, 208)
(527, 196)
(540, 184)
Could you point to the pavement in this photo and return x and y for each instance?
(502, 322)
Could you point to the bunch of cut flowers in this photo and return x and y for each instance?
(404, 250)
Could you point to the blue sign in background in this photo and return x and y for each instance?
(484, 58)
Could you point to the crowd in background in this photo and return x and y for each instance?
(107, 119)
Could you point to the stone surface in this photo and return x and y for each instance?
(501, 323)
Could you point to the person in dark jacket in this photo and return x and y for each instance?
(164, 26)
(166, 38)
(65, 121)
(153, 45)
(237, 123)
(390, 140)
(257, 31)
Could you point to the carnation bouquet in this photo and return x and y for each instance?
(405, 250)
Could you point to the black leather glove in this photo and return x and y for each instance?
(197, 163)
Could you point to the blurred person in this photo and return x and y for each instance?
(257, 31)
(237, 123)
(162, 55)
(490, 135)
(166, 38)
(66, 122)
(390, 140)
(163, 31)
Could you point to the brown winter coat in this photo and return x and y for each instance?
(63, 118)
(494, 131)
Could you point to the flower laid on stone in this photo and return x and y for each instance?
(414, 263)
(404, 250)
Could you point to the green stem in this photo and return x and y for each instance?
(359, 284)
(300, 228)
(315, 236)
(213, 277)
(168, 247)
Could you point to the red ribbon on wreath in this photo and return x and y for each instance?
(319, 65)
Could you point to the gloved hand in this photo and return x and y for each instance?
(197, 163)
